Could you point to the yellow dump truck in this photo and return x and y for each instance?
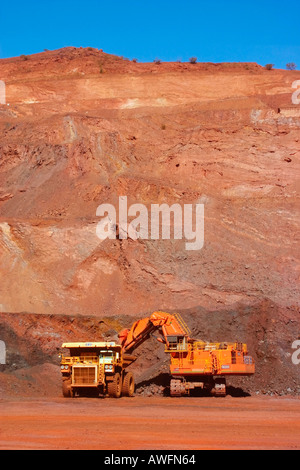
(96, 367)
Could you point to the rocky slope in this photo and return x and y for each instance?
(81, 128)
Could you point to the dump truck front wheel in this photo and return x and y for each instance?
(114, 388)
(128, 385)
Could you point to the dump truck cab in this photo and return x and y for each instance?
(95, 367)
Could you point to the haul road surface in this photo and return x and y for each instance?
(156, 423)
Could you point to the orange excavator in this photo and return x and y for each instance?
(194, 363)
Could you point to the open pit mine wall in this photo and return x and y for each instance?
(80, 128)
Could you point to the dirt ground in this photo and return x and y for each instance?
(155, 423)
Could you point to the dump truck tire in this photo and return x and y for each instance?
(128, 385)
(115, 387)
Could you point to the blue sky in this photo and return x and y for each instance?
(262, 31)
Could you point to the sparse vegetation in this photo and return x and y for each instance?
(291, 66)
(269, 66)
(134, 60)
(157, 61)
(24, 57)
(193, 60)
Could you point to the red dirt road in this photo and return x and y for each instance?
(150, 424)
